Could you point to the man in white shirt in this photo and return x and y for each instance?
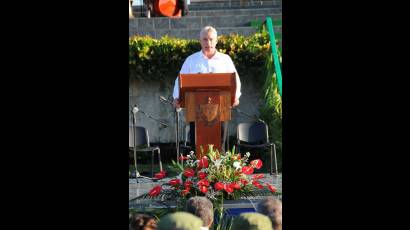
(208, 60)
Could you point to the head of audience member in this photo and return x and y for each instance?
(272, 208)
(179, 221)
(252, 221)
(201, 207)
(143, 222)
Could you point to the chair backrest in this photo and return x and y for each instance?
(141, 136)
(252, 133)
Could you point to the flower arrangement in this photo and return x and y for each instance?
(216, 175)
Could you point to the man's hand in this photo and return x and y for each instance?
(236, 103)
(176, 103)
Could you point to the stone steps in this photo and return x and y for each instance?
(243, 3)
(234, 7)
(221, 12)
(218, 5)
(188, 27)
(192, 22)
(226, 16)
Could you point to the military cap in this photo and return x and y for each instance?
(252, 221)
(179, 221)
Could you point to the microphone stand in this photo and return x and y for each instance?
(134, 128)
(152, 118)
(177, 110)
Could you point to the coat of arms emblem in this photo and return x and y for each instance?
(208, 112)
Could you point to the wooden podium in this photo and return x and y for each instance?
(208, 98)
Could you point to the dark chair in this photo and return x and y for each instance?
(142, 144)
(255, 135)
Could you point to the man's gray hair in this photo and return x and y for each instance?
(201, 207)
(206, 30)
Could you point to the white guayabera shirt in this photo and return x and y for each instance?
(199, 63)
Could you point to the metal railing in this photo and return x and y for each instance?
(274, 53)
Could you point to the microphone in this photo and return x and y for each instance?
(162, 98)
(163, 124)
(135, 109)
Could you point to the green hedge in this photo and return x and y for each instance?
(158, 59)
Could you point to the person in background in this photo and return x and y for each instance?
(272, 208)
(143, 222)
(203, 208)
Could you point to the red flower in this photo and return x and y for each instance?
(203, 185)
(235, 185)
(218, 186)
(202, 175)
(184, 192)
(174, 182)
(203, 189)
(228, 188)
(203, 182)
(247, 170)
(188, 184)
(160, 175)
(189, 172)
(155, 191)
(256, 164)
(203, 163)
(271, 187)
(258, 176)
(244, 182)
(256, 184)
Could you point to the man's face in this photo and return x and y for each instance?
(208, 43)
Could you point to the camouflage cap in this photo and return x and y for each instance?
(252, 221)
(180, 221)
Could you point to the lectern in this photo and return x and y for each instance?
(208, 98)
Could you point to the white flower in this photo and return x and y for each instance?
(237, 165)
(218, 163)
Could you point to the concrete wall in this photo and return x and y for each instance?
(145, 94)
